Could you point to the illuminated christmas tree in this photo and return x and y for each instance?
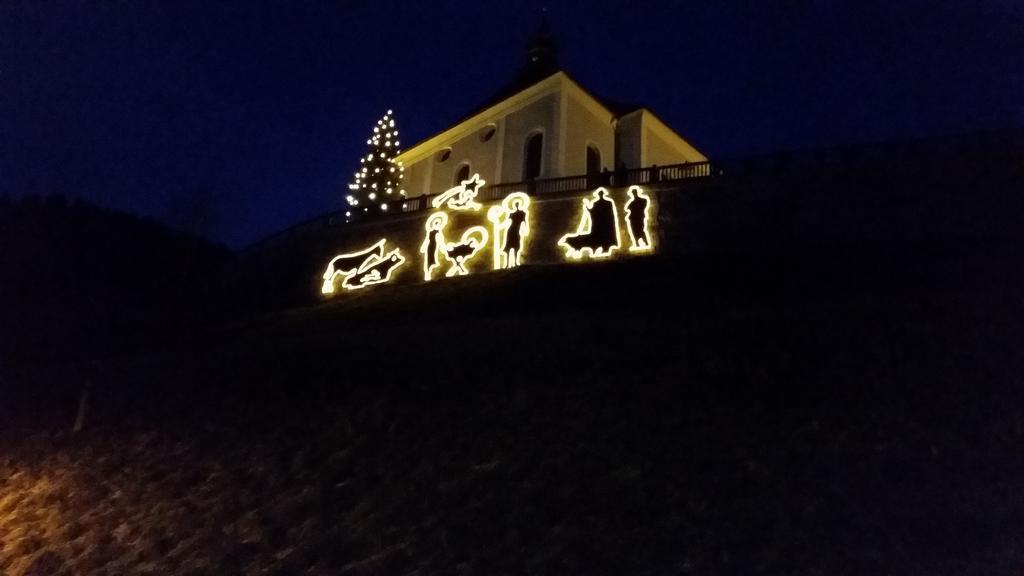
(378, 182)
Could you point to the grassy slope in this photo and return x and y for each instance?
(836, 413)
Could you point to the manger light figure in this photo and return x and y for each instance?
(361, 269)
(433, 243)
(597, 233)
(473, 240)
(511, 222)
(462, 196)
(638, 209)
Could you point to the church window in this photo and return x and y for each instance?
(461, 174)
(534, 151)
(593, 159)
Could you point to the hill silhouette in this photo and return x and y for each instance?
(81, 285)
(78, 281)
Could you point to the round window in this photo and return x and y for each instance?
(444, 155)
(487, 133)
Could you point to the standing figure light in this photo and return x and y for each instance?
(638, 209)
(597, 232)
(461, 197)
(511, 222)
(433, 243)
(363, 268)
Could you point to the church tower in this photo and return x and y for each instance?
(541, 54)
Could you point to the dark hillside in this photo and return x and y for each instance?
(819, 375)
(81, 285)
(834, 411)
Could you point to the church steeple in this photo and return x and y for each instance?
(541, 52)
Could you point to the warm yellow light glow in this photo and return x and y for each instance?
(461, 197)
(638, 213)
(599, 241)
(511, 223)
(433, 242)
(458, 254)
(363, 268)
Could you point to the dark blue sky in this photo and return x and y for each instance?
(235, 119)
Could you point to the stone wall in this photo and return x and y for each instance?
(550, 218)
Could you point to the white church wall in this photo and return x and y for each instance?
(417, 178)
(660, 152)
(540, 115)
(569, 120)
(662, 146)
(628, 139)
(586, 125)
(470, 149)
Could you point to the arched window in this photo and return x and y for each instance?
(461, 174)
(593, 159)
(533, 153)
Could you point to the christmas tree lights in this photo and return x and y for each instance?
(378, 182)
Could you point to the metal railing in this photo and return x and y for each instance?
(566, 184)
(582, 182)
(414, 204)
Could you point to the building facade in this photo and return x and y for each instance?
(543, 125)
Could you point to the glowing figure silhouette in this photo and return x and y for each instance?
(637, 219)
(361, 269)
(433, 243)
(511, 222)
(458, 254)
(462, 196)
(597, 233)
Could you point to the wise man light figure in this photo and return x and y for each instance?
(598, 230)
(433, 243)
(511, 226)
(636, 219)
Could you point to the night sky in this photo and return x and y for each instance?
(236, 119)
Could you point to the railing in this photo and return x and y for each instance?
(414, 204)
(560, 185)
(498, 191)
(566, 184)
(650, 175)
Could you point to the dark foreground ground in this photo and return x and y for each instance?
(840, 412)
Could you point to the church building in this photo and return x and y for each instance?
(543, 173)
(543, 125)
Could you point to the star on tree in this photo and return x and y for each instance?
(377, 184)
